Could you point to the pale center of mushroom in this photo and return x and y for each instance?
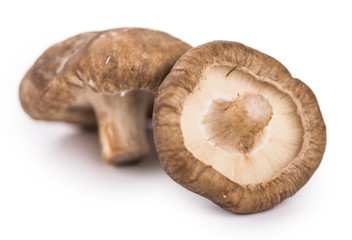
(244, 128)
(237, 125)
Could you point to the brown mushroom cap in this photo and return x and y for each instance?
(231, 124)
(109, 76)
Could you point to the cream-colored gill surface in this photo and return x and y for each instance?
(278, 144)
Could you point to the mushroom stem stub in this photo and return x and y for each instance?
(236, 125)
(121, 121)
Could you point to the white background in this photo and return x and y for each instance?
(53, 183)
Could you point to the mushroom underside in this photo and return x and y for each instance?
(246, 129)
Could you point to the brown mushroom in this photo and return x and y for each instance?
(107, 77)
(231, 124)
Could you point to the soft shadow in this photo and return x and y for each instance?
(83, 145)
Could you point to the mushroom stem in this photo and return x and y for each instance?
(236, 125)
(121, 122)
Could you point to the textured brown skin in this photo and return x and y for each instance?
(139, 59)
(185, 169)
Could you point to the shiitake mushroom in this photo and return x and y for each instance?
(232, 124)
(103, 78)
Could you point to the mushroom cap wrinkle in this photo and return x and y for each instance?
(232, 124)
(105, 78)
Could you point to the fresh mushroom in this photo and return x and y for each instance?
(106, 78)
(231, 124)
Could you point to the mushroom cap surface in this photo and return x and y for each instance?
(227, 70)
(106, 62)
